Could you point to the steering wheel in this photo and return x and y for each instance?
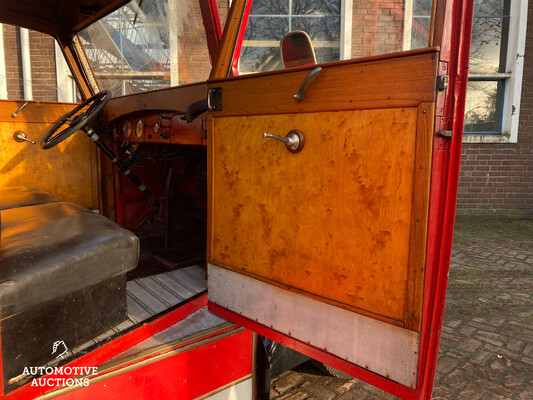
(74, 120)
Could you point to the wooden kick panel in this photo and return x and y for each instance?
(334, 221)
(67, 170)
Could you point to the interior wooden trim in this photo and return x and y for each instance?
(176, 98)
(111, 6)
(222, 63)
(210, 186)
(419, 215)
(433, 23)
(29, 20)
(80, 67)
(383, 82)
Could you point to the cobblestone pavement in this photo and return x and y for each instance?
(486, 349)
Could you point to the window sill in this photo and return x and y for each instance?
(468, 138)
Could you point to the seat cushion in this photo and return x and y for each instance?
(52, 249)
(21, 196)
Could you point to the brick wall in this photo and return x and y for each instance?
(193, 62)
(43, 67)
(497, 179)
(43, 70)
(377, 27)
(223, 8)
(13, 62)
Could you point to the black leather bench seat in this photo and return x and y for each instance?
(51, 249)
(22, 196)
(62, 278)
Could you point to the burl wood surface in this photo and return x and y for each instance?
(67, 170)
(334, 220)
(344, 220)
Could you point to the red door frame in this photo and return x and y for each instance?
(453, 30)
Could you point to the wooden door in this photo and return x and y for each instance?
(67, 170)
(326, 245)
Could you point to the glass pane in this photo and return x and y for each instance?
(490, 7)
(420, 32)
(266, 28)
(327, 54)
(319, 29)
(324, 33)
(483, 106)
(422, 7)
(376, 27)
(260, 50)
(259, 59)
(489, 45)
(319, 7)
(277, 7)
(133, 50)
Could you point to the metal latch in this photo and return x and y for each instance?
(443, 82)
(445, 133)
(214, 99)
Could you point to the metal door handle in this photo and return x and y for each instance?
(294, 141)
(21, 137)
(14, 115)
(299, 95)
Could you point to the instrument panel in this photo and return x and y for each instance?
(160, 127)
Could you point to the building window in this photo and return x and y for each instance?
(271, 20)
(339, 29)
(496, 65)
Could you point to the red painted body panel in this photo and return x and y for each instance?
(457, 32)
(213, 28)
(117, 346)
(187, 375)
(240, 38)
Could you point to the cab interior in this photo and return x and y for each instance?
(86, 255)
(82, 235)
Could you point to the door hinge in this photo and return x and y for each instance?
(445, 133)
(442, 82)
(214, 99)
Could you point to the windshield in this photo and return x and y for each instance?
(147, 45)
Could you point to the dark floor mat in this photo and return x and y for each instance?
(164, 260)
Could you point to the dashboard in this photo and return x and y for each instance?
(160, 127)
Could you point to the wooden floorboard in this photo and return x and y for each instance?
(189, 282)
(151, 295)
(174, 286)
(159, 291)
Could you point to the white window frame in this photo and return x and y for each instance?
(3, 77)
(513, 84)
(346, 30)
(66, 87)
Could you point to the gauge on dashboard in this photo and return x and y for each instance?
(127, 128)
(139, 127)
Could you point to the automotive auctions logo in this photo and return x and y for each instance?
(60, 376)
(55, 348)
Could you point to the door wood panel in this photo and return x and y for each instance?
(67, 170)
(343, 221)
(332, 221)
